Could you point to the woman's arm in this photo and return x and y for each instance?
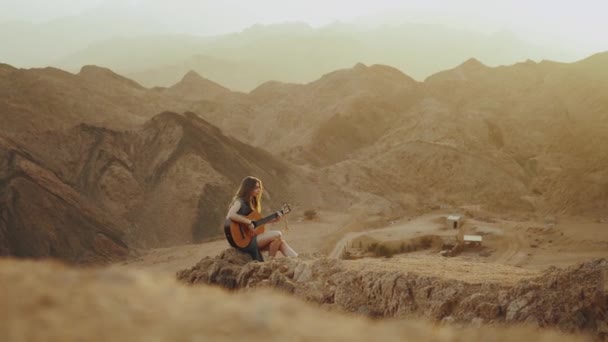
(232, 214)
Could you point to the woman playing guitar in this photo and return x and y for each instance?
(247, 204)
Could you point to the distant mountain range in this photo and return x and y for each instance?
(291, 52)
(41, 44)
(299, 53)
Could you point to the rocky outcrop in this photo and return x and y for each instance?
(41, 216)
(44, 301)
(573, 299)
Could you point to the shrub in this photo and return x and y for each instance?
(383, 251)
(426, 242)
(310, 214)
(346, 255)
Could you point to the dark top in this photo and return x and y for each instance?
(245, 208)
(252, 248)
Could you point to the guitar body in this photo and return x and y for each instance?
(238, 234)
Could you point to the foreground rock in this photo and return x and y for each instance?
(573, 299)
(43, 301)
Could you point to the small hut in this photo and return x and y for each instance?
(454, 221)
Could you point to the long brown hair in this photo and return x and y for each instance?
(247, 185)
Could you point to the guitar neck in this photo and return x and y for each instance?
(267, 219)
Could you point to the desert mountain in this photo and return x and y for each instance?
(41, 216)
(171, 180)
(38, 99)
(526, 136)
(296, 52)
(548, 117)
(299, 121)
(193, 87)
(231, 73)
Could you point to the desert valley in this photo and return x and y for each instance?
(471, 205)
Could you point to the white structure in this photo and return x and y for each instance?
(454, 221)
(472, 238)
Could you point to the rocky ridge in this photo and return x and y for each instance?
(49, 301)
(573, 299)
(41, 216)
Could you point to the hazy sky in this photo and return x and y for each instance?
(578, 25)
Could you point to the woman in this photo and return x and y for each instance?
(249, 198)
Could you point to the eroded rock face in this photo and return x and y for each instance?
(41, 216)
(89, 193)
(170, 181)
(573, 299)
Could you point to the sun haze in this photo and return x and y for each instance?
(574, 26)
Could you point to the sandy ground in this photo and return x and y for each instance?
(510, 250)
(305, 236)
(447, 268)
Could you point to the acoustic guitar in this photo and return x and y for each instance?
(239, 235)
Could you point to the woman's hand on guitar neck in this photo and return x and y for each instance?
(278, 218)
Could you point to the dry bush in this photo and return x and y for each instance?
(381, 250)
(346, 255)
(426, 242)
(310, 214)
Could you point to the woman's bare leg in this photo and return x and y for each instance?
(286, 250)
(266, 238)
(274, 247)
